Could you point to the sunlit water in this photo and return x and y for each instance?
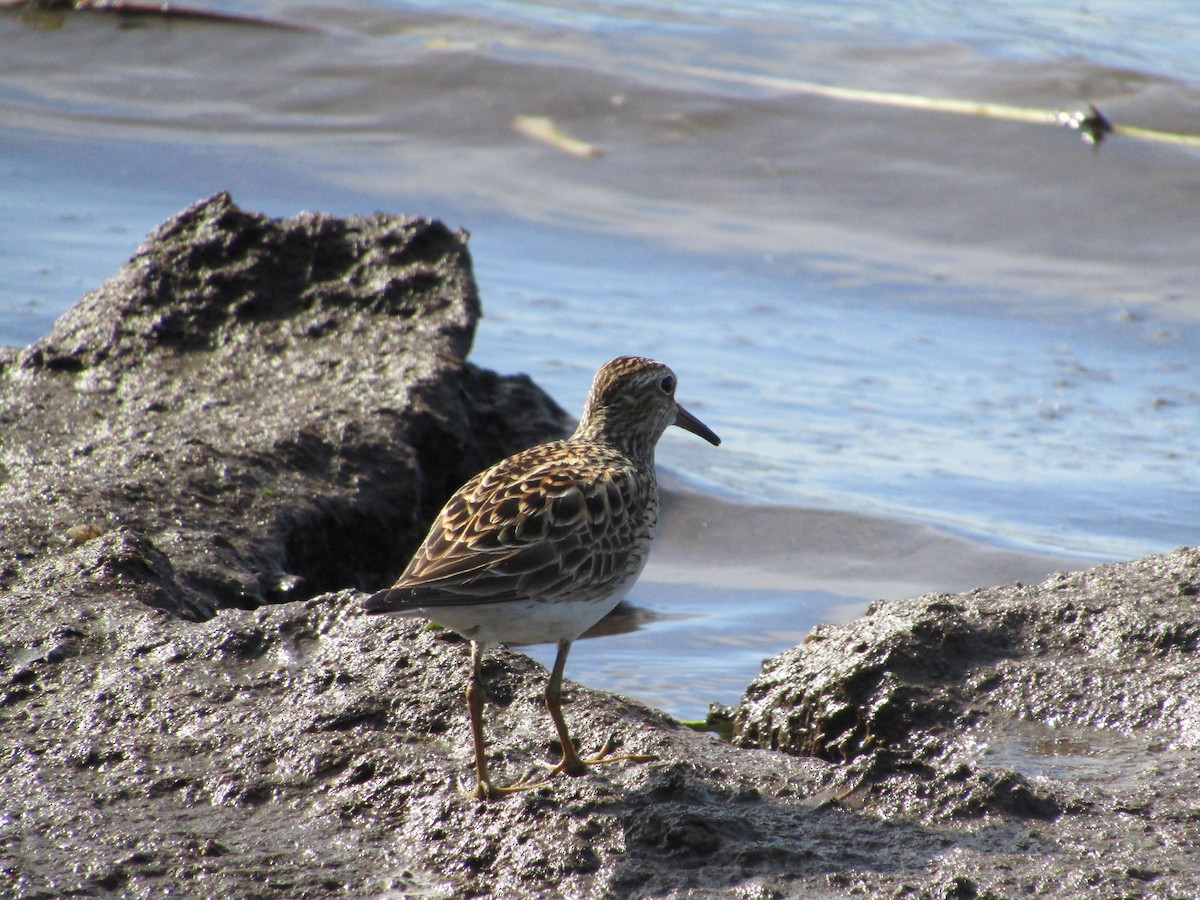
(1078, 436)
(1155, 37)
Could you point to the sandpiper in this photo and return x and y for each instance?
(545, 543)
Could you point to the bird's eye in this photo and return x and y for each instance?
(668, 384)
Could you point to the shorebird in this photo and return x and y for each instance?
(545, 543)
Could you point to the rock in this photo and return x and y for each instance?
(1072, 702)
(253, 411)
(212, 456)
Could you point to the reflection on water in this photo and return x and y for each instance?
(703, 646)
(1150, 36)
(1111, 759)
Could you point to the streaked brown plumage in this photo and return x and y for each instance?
(545, 543)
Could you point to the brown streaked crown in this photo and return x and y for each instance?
(630, 405)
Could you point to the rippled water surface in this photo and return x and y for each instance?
(976, 324)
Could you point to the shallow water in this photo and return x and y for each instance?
(1106, 758)
(980, 325)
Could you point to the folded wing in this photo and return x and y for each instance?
(524, 530)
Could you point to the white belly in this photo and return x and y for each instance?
(529, 621)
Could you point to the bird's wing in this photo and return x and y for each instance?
(529, 527)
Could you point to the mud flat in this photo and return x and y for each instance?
(211, 456)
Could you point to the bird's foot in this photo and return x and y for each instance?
(486, 789)
(573, 764)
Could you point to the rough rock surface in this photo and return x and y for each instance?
(1073, 706)
(252, 411)
(265, 414)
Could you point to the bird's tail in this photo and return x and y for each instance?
(388, 601)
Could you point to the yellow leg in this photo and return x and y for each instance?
(572, 763)
(485, 788)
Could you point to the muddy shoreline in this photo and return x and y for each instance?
(212, 456)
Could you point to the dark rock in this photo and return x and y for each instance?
(252, 411)
(1062, 702)
(259, 411)
(1106, 648)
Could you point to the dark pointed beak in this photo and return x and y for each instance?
(688, 422)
